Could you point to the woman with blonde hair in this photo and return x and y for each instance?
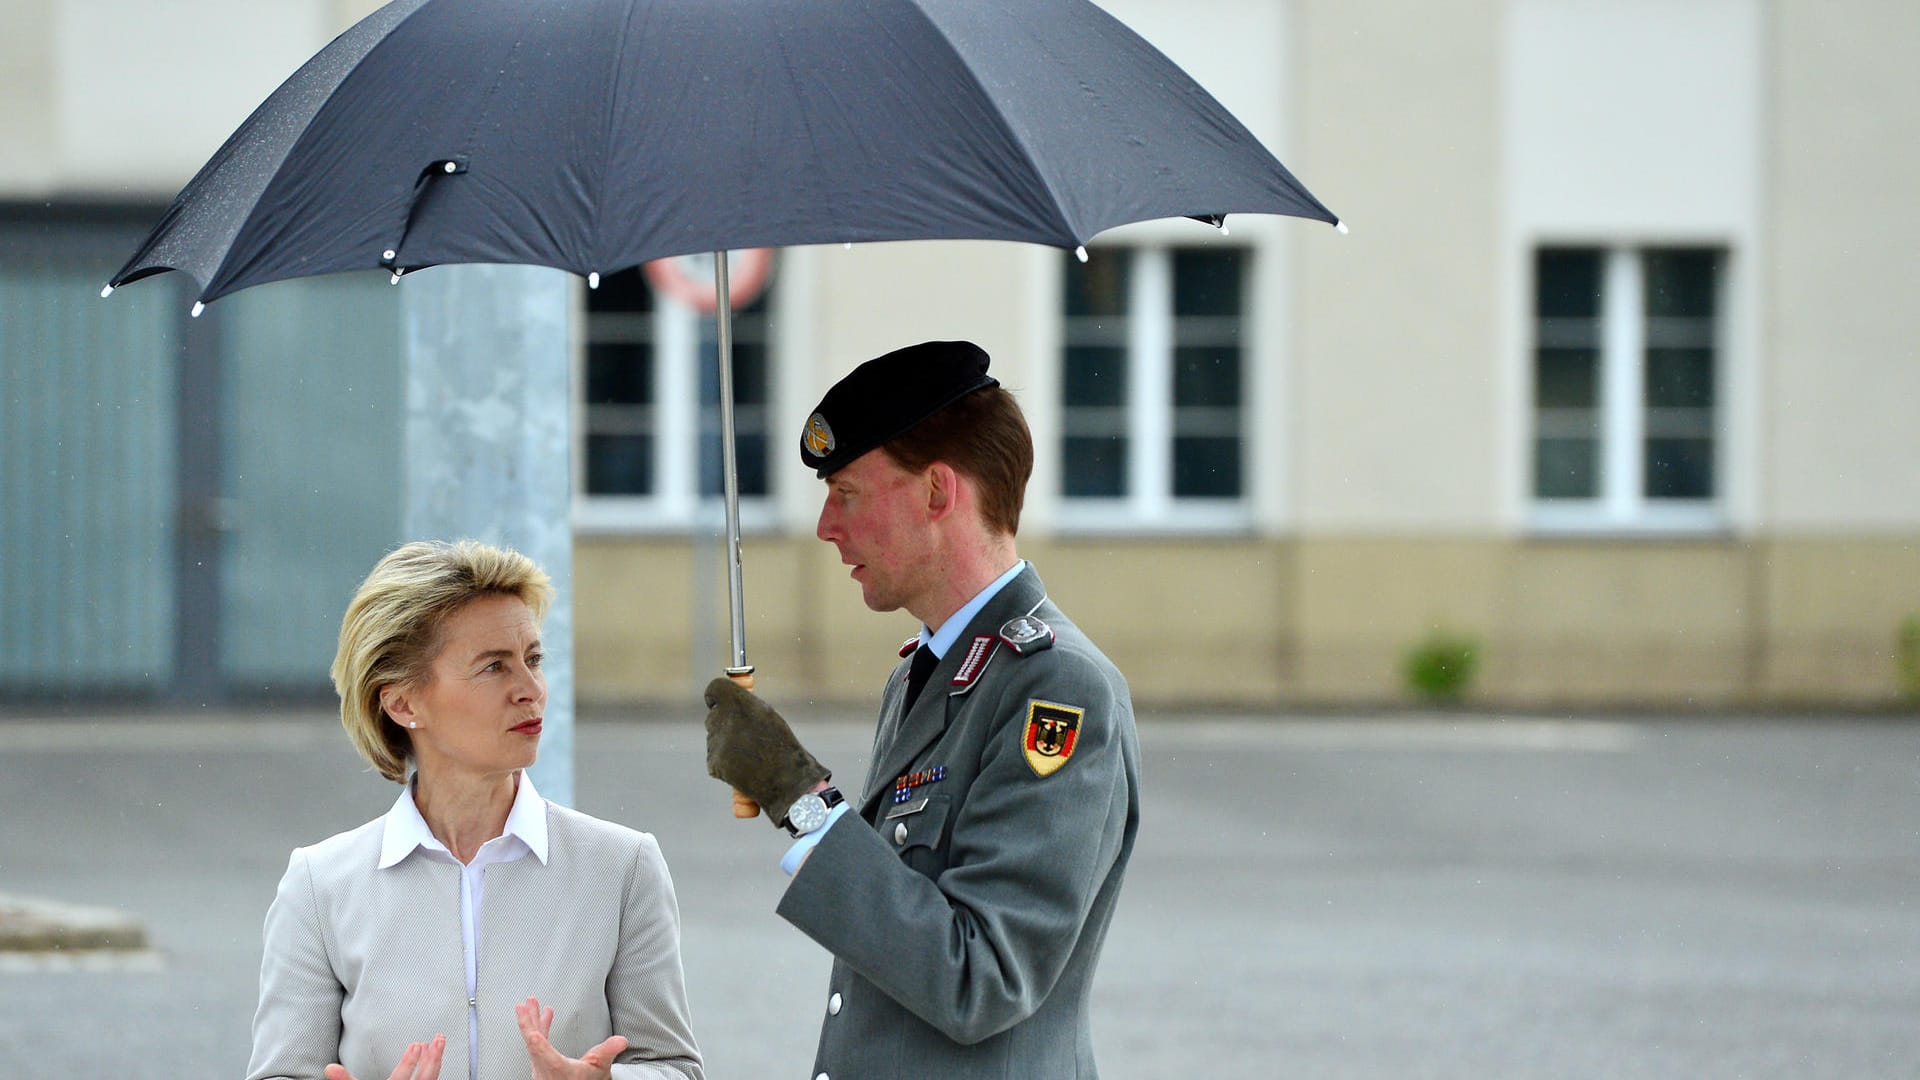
(474, 923)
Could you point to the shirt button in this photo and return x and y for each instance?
(833, 1005)
(900, 833)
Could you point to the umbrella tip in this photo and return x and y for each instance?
(1080, 253)
(106, 291)
(848, 246)
(394, 278)
(1340, 227)
(1223, 228)
(593, 280)
(198, 307)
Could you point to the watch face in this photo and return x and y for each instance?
(807, 813)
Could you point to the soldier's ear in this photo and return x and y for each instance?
(943, 490)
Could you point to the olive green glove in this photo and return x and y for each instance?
(751, 747)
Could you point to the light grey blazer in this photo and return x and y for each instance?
(359, 961)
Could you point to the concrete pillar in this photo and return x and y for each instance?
(486, 445)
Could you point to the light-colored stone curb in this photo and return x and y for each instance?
(32, 925)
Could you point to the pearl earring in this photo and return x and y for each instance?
(413, 723)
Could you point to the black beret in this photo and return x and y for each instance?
(885, 397)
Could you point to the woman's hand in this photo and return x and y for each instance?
(551, 1064)
(420, 1062)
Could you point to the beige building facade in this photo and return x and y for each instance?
(1613, 373)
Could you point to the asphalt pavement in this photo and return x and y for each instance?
(1415, 896)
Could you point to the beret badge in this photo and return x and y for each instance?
(818, 438)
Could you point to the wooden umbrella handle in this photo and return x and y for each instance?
(743, 807)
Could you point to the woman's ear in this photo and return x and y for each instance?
(398, 707)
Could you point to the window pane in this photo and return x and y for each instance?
(1207, 281)
(1679, 468)
(1566, 378)
(1566, 468)
(751, 384)
(620, 464)
(1681, 282)
(1680, 378)
(1206, 467)
(1094, 467)
(626, 292)
(619, 418)
(750, 459)
(1567, 283)
(1099, 286)
(1095, 375)
(619, 374)
(1206, 375)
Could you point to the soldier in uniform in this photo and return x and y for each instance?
(965, 888)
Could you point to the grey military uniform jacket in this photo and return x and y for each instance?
(966, 913)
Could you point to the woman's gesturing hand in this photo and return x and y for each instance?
(420, 1062)
(551, 1064)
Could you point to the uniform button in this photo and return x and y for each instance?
(900, 833)
(833, 1005)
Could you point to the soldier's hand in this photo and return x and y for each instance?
(751, 747)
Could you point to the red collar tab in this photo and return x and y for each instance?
(978, 653)
(907, 646)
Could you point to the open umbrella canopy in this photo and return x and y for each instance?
(594, 135)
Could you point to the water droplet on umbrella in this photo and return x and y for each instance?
(198, 307)
(1080, 253)
(593, 280)
(106, 291)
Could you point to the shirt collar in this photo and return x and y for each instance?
(404, 830)
(941, 640)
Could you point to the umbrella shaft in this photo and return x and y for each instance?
(729, 471)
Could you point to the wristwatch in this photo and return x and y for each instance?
(809, 811)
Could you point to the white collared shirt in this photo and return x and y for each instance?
(404, 832)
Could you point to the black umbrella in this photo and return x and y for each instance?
(594, 135)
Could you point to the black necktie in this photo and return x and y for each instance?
(923, 662)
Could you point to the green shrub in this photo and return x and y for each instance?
(1440, 667)
(1909, 653)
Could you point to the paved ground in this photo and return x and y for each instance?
(1415, 897)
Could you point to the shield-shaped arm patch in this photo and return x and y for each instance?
(1050, 735)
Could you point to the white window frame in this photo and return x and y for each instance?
(676, 505)
(1622, 505)
(1149, 506)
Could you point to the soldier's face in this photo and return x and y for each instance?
(875, 514)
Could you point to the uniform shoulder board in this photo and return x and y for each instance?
(1026, 634)
(907, 646)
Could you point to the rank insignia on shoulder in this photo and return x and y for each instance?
(1050, 736)
(1026, 634)
(907, 646)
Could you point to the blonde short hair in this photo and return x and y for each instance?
(391, 632)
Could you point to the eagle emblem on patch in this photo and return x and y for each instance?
(1051, 733)
(818, 438)
(1026, 634)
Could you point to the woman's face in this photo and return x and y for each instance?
(480, 708)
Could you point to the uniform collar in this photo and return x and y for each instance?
(941, 640)
(403, 829)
